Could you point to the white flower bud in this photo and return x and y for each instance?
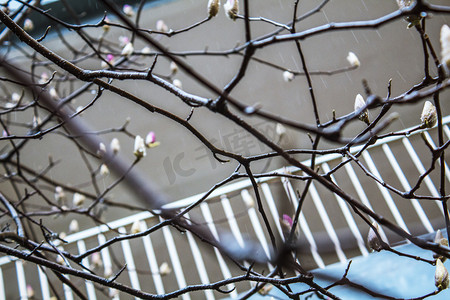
(101, 149)
(173, 68)
(123, 40)
(164, 269)
(231, 8)
(136, 227)
(44, 78)
(15, 97)
(104, 171)
(413, 20)
(403, 3)
(359, 104)
(9, 105)
(53, 93)
(113, 293)
(78, 199)
(146, 50)
(60, 260)
(445, 47)
(74, 226)
(115, 145)
(161, 26)
(30, 292)
(28, 25)
(150, 140)
(108, 272)
(59, 194)
(439, 239)
(139, 147)
(353, 59)
(177, 83)
(213, 7)
(127, 50)
(441, 280)
(280, 129)
(128, 10)
(429, 115)
(288, 76)
(372, 238)
(96, 260)
(265, 289)
(106, 26)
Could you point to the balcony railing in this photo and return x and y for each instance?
(327, 226)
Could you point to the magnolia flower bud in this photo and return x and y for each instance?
(53, 93)
(403, 3)
(115, 145)
(359, 104)
(231, 8)
(113, 293)
(110, 59)
(445, 47)
(108, 272)
(173, 68)
(78, 199)
(28, 25)
(60, 260)
(127, 50)
(136, 227)
(177, 83)
(15, 97)
(106, 27)
(74, 226)
(44, 78)
(372, 238)
(30, 292)
(413, 20)
(265, 289)
(139, 147)
(429, 115)
(150, 140)
(164, 269)
(439, 239)
(280, 129)
(104, 171)
(62, 235)
(59, 194)
(161, 26)
(123, 40)
(288, 76)
(146, 50)
(96, 260)
(441, 280)
(101, 149)
(128, 10)
(213, 7)
(286, 226)
(353, 59)
(9, 105)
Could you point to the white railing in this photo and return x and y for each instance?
(228, 202)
